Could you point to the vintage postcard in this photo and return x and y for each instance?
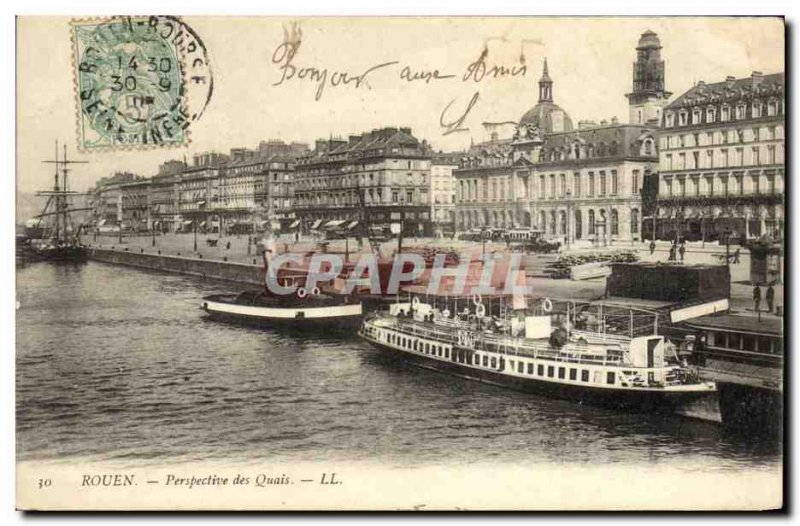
(409, 263)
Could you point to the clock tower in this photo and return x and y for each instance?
(648, 98)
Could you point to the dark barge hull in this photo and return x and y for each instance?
(621, 399)
(349, 322)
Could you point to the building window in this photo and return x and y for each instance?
(614, 182)
(739, 161)
(591, 184)
(610, 377)
(614, 222)
(552, 185)
(772, 108)
(683, 118)
(709, 158)
(576, 183)
(540, 370)
(670, 119)
(771, 154)
(563, 184)
(584, 375)
(550, 371)
(696, 116)
(710, 114)
(573, 374)
(591, 222)
(756, 110)
(395, 196)
(740, 111)
(725, 114)
(756, 157)
(669, 161)
(635, 221)
(602, 183)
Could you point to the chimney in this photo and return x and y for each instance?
(756, 77)
(701, 83)
(729, 80)
(321, 145)
(614, 120)
(495, 136)
(407, 131)
(354, 139)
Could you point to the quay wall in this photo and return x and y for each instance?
(205, 268)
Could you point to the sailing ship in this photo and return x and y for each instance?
(60, 235)
(587, 352)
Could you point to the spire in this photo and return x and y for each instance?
(545, 85)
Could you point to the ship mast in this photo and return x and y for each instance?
(59, 193)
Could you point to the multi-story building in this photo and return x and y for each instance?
(721, 160)
(199, 192)
(576, 184)
(109, 196)
(384, 171)
(274, 191)
(443, 193)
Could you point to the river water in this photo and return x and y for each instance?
(120, 365)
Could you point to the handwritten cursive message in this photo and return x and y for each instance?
(451, 120)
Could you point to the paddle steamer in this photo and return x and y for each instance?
(576, 351)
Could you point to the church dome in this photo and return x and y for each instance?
(548, 117)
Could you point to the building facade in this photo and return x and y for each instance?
(443, 193)
(580, 185)
(244, 191)
(721, 160)
(381, 176)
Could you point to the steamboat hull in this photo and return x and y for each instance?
(626, 399)
(339, 318)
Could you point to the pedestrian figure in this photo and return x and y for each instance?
(757, 298)
(228, 245)
(736, 256)
(682, 250)
(652, 247)
(770, 297)
(672, 253)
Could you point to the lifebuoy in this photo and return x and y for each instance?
(315, 291)
(547, 305)
(480, 310)
(477, 299)
(302, 293)
(446, 313)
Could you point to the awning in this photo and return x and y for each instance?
(102, 222)
(156, 223)
(275, 225)
(188, 222)
(316, 224)
(295, 223)
(334, 223)
(203, 223)
(263, 223)
(352, 225)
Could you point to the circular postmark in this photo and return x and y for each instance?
(140, 81)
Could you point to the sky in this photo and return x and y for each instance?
(590, 62)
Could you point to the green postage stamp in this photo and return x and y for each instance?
(131, 81)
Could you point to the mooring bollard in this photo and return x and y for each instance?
(224, 258)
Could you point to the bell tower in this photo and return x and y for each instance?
(648, 98)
